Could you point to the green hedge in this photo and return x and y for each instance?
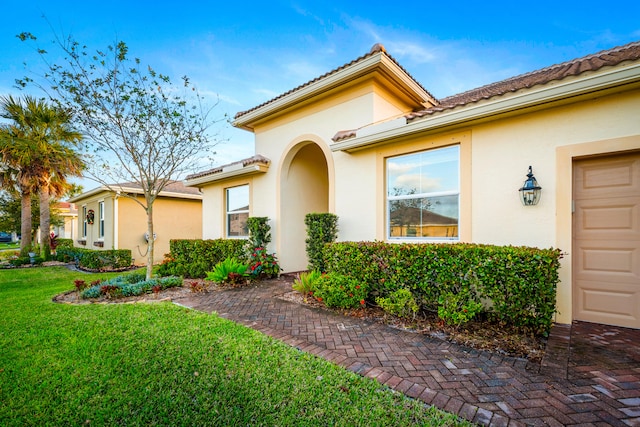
(322, 228)
(194, 258)
(107, 259)
(514, 284)
(64, 243)
(111, 259)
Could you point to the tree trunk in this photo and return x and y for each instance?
(25, 225)
(151, 240)
(45, 224)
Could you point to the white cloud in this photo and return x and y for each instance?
(306, 13)
(421, 183)
(400, 168)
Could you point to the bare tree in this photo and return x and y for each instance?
(143, 129)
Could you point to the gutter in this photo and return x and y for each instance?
(130, 190)
(227, 173)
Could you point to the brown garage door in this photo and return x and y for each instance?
(606, 240)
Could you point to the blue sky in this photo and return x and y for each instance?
(247, 52)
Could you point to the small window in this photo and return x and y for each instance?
(101, 219)
(423, 192)
(237, 211)
(84, 221)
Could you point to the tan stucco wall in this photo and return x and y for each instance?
(172, 219)
(547, 140)
(280, 139)
(494, 161)
(214, 209)
(504, 149)
(494, 157)
(318, 124)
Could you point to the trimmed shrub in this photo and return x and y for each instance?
(66, 253)
(110, 259)
(336, 290)
(259, 232)
(458, 308)
(399, 303)
(516, 285)
(322, 228)
(194, 258)
(63, 243)
(20, 261)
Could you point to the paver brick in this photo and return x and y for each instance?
(593, 376)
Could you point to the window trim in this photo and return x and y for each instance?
(101, 219)
(84, 222)
(387, 200)
(228, 213)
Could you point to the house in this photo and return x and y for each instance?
(113, 219)
(367, 142)
(69, 216)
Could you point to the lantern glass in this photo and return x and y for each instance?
(530, 191)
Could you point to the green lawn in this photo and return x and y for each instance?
(160, 364)
(9, 246)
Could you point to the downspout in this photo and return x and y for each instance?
(115, 220)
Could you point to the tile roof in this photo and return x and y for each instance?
(245, 162)
(593, 62)
(374, 50)
(344, 134)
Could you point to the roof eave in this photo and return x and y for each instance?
(502, 104)
(88, 194)
(131, 190)
(381, 61)
(251, 169)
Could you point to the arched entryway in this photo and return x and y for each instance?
(304, 188)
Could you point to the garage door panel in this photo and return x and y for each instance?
(619, 260)
(608, 306)
(606, 240)
(608, 216)
(597, 178)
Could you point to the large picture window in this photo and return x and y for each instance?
(423, 195)
(237, 211)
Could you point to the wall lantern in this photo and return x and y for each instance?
(530, 191)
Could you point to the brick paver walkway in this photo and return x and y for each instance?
(590, 376)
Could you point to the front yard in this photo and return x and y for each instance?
(160, 364)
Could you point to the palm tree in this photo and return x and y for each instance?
(37, 149)
(59, 162)
(17, 179)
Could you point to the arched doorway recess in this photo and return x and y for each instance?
(304, 188)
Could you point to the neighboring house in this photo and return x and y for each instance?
(370, 144)
(69, 214)
(110, 220)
